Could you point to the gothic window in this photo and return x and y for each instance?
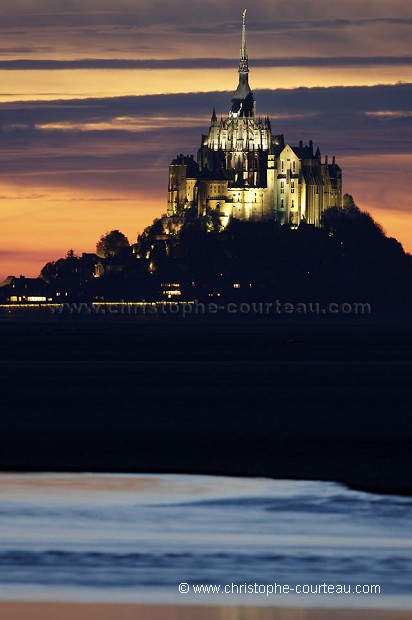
(282, 187)
(293, 204)
(283, 166)
(282, 204)
(294, 166)
(292, 187)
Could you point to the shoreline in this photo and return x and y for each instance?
(120, 611)
(374, 489)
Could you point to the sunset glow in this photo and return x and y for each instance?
(85, 148)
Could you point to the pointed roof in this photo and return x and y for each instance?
(8, 281)
(243, 101)
(244, 60)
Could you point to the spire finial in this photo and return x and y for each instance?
(244, 64)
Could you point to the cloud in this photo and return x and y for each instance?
(151, 11)
(25, 197)
(276, 26)
(200, 63)
(53, 178)
(7, 51)
(163, 28)
(122, 146)
(338, 113)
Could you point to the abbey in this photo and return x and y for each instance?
(244, 171)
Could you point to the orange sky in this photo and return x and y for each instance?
(70, 172)
(69, 84)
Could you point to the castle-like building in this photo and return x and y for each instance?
(246, 172)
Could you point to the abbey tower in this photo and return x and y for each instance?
(246, 172)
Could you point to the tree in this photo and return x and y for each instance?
(49, 272)
(111, 244)
(350, 222)
(348, 202)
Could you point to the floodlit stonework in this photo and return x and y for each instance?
(246, 172)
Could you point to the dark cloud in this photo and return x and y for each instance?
(336, 100)
(201, 63)
(138, 19)
(69, 12)
(276, 26)
(146, 29)
(7, 51)
(58, 143)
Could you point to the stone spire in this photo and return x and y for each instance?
(243, 103)
(244, 61)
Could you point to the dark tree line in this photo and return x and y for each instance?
(348, 258)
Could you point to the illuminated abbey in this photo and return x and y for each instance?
(244, 171)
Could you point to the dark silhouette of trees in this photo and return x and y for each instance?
(348, 259)
(350, 222)
(111, 244)
(49, 272)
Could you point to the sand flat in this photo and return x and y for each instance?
(93, 611)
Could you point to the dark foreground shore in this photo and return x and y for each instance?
(297, 401)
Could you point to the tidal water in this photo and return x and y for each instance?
(135, 538)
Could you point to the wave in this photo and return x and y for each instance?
(57, 567)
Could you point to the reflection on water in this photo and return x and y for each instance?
(129, 538)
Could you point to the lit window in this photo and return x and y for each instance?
(236, 285)
(172, 293)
